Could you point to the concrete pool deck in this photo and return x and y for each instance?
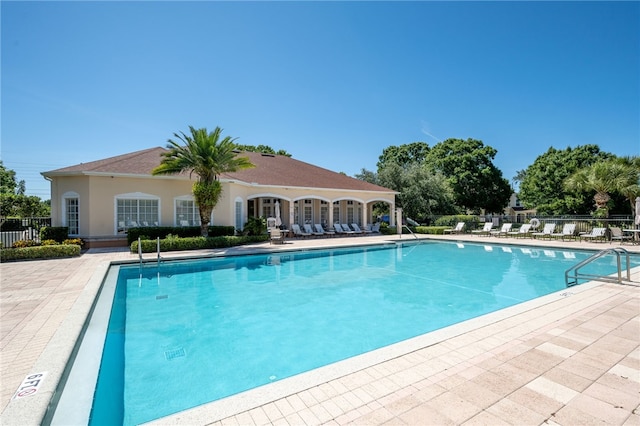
(569, 358)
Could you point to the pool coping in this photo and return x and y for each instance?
(56, 354)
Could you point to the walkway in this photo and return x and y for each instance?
(568, 359)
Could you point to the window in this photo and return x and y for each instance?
(324, 212)
(308, 211)
(136, 210)
(336, 212)
(350, 213)
(267, 207)
(239, 221)
(187, 213)
(71, 215)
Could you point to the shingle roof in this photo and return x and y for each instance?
(270, 170)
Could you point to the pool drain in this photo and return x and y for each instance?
(174, 353)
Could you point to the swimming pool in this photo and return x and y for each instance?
(215, 327)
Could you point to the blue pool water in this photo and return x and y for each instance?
(190, 332)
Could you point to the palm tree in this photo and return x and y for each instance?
(202, 153)
(603, 177)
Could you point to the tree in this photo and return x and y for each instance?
(469, 169)
(367, 176)
(631, 189)
(542, 186)
(206, 156)
(603, 178)
(421, 192)
(265, 149)
(14, 202)
(403, 155)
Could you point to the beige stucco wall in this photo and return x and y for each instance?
(97, 199)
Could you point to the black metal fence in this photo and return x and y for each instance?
(16, 229)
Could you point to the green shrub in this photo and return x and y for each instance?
(255, 226)
(470, 221)
(196, 243)
(57, 233)
(24, 243)
(153, 232)
(76, 241)
(434, 230)
(39, 252)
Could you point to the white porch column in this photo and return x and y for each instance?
(364, 214)
(392, 218)
(399, 221)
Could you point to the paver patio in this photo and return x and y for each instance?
(574, 359)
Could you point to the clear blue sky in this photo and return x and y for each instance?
(333, 83)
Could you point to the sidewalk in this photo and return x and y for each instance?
(573, 359)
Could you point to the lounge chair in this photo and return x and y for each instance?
(310, 231)
(568, 231)
(321, 230)
(618, 235)
(298, 232)
(595, 234)
(485, 229)
(457, 230)
(276, 236)
(340, 230)
(524, 231)
(546, 231)
(506, 227)
(358, 230)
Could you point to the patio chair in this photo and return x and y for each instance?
(485, 229)
(298, 232)
(506, 227)
(321, 230)
(310, 231)
(524, 231)
(276, 236)
(618, 235)
(457, 230)
(546, 231)
(595, 234)
(568, 231)
(376, 228)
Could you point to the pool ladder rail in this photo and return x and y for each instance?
(157, 250)
(617, 251)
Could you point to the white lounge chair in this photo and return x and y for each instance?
(298, 232)
(321, 230)
(359, 230)
(595, 234)
(546, 231)
(340, 230)
(568, 231)
(506, 227)
(310, 231)
(522, 232)
(457, 230)
(485, 229)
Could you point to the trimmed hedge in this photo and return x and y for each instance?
(196, 243)
(40, 252)
(436, 230)
(153, 232)
(57, 233)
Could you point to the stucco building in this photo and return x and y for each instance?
(101, 199)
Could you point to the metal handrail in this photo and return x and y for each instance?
(618, 251)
